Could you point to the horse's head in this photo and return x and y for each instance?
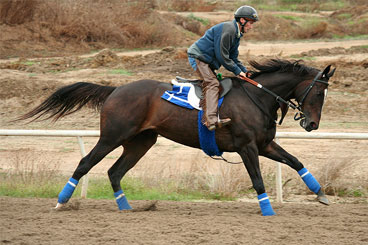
(311, 94)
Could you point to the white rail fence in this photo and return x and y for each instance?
(94, 133)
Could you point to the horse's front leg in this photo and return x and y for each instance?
(250, 158)
(277, 153)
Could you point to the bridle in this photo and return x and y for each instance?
(299, 114)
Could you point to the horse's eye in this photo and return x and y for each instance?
(319, 93)
(322, 93)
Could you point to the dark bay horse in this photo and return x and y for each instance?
(133, 115)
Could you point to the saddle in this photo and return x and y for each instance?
(225, 85)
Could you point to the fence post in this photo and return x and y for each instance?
(278, 178)
(85, 177)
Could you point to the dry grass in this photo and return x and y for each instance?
(128, 25)
(93, 23)
(31, 176)
(200, 173)
(217, 177)
(331, 178)
(50, 28)
(29, 169)
(193, 5)
(17, 12)
(186, 5)
(352, 20)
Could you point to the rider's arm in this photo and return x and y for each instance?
(223, 48)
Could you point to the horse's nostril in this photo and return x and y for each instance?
(313, 125)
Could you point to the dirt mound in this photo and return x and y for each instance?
(104, 58)
(352, 20)
(358, 12)
(168, 59)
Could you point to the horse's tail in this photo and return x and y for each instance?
(70, 99)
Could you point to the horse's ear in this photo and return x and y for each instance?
(326, 70)
(331, 73)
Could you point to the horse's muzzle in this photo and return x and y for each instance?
(308, 126)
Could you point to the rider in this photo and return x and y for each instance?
(219, 46)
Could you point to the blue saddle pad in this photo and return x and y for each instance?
(207, 139)
(179, 96)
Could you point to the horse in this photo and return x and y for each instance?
(133, 115)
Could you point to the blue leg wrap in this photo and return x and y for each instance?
(122, 201)
(67, 191)
(264, 203)
(309, 180)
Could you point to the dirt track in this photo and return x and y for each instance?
(31, 221)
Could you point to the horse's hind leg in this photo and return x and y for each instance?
(102, 148)
(133, 151)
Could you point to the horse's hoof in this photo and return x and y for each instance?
(59, 205)
(322, 198)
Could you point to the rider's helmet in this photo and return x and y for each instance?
(246, 12)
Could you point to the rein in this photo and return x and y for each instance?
(299, 115)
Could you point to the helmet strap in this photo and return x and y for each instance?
(242, 26)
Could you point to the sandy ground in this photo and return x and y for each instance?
(31, 221)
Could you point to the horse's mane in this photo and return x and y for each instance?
(274, 65)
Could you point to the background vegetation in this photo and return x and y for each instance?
(96, 24)
(32, 176)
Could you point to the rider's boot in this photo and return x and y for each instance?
(212, 121)
(211, 87)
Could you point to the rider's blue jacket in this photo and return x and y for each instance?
(219, 46)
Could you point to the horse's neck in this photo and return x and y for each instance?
(283, 84)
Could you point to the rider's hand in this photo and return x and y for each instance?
(242, 75)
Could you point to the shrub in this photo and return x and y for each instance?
(17, 12)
